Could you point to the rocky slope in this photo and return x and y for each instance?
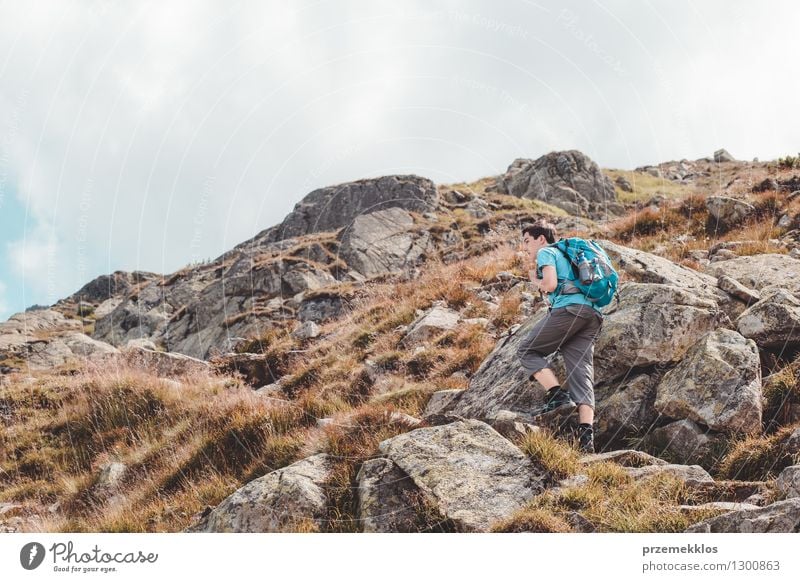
(377, 328)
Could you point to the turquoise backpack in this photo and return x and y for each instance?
(600, 280)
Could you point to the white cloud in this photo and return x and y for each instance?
(150, 135)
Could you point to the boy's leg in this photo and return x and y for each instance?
(547, 336)
(579, 363)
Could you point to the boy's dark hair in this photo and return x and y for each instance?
(541, 228)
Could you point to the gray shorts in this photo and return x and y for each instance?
(572, 330)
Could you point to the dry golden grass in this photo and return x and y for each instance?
(612, 502)
(759, 458)
(556, 457)
(172, 437)
(646, 186)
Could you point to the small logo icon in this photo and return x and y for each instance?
(31, 556)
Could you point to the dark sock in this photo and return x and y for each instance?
(586, 426)
(554, 389)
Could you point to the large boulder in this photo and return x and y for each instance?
(22, 328)
(385, 498)
(333, 207)
(500, 383)
(682, 441)
(646, 267)
(118, 284)
(772, 322)
(652, 324)
(760, 272)
(728, 211)
(44, 338)
(789, 481)
(779, 517)
(383, 241)
(568, 180)
(276, 502)
(72, 347)
(474, 476)
(626, 407)
(717, 384)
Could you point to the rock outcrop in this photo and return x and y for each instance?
(45, 339)
(717, 384)
(385, 498)
(383, 242)
(567, 180)
(334, 207)
(779, 517)
(473, 475)
(278, 501)
(774, 321)
(652, 324)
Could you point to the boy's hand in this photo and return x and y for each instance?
(534, 279)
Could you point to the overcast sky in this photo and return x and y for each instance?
(147, 135)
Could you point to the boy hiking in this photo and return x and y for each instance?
(572, 324)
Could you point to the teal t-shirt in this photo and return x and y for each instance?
(553, 257)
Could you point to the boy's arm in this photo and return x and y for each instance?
(549, 280)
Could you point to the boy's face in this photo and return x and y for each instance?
(532, 245)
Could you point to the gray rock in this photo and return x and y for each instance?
(431, 323)
(276, 502)
(789, 481)
(306, 330)
(689, 474)
(722, 155)
(473, 475)
(500, 383)
(722, 255)
(22, 328)
(110, 475)
(382, 242)
(568, 180)
(652, 324)
(625, 407)
(772, 322)
(682, 441)
(649, 268)
(64, 348)
(726, 506)
(761, 271)
(166, 363)
(321, 307)
(510, 424)
(779, 517)
(792, 443)
(718, 384)
(334, 207)
(623, 184)
(116, 285)
(733, 287)
(439, 403)
(385, 498)
(107, 307)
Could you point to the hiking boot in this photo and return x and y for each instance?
(556, 398)
(586, 438)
